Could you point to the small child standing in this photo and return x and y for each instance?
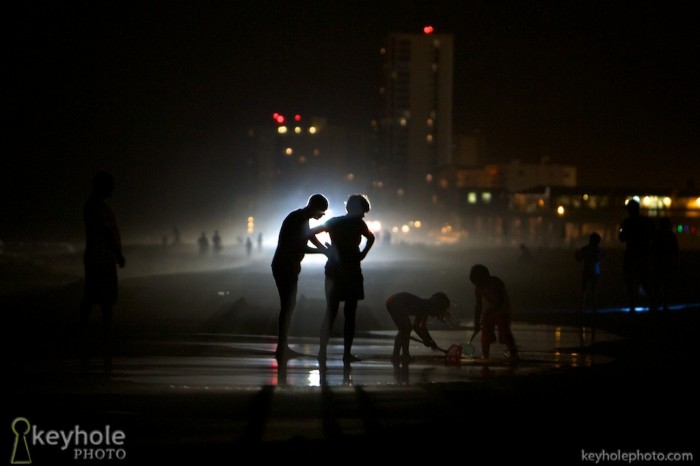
(591, 256)
(493, 310)
(402, 306)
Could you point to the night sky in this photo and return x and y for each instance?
(161, 93)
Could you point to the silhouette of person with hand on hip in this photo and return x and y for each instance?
(344, 280)
(103, 252)
(292, 246)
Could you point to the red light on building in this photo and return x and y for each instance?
(428, 30)
(297, 117)
(278, 117)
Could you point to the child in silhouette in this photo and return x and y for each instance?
(402, 306)
(493, 310)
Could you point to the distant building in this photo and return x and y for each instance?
(515, 176)
(415, 127)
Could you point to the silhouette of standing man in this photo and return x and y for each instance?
(637, 232)
(103, 252)
(292, 245)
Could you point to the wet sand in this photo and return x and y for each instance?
(193, 376)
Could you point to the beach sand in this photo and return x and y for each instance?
(639, 400)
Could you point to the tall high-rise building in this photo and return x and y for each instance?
(415, 125)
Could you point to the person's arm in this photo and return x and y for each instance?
(421, 329)
(501, 298)
(478, 308)
(111, 232)
(320, 248)
(368, 244)
(622, 235)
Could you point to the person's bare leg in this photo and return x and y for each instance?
(350, 311)
(326, 326)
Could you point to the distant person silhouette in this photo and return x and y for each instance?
(344, 280)
(387, 237)
(665, 257)
(248, 246)
(590, 256)
(103, 252)
(292, 246)
(402, 306)
(203, 243)
(260, 241)
(176, 236)
(492, 310)
(216, 242)
(637, 232)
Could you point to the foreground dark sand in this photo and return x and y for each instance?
(641, 401)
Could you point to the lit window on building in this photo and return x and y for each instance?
(655, 202)
(486, 197)
(471, 198)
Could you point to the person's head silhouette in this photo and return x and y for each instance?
(357, 204)
(317, 205)
(632, 207)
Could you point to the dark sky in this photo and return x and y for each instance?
(161, 92)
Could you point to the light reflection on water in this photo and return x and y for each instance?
(245, 362)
